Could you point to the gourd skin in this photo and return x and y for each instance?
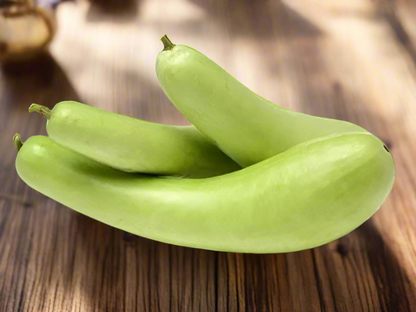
(304, 197)
(134, 145)
(245, 126)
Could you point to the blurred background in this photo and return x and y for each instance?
(353, 60)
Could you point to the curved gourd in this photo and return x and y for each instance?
(301, 198)
(245, 126)
(134, 145)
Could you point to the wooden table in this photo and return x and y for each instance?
(351, 60)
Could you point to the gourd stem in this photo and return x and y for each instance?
(17, 141)
(167, 44)
(41, 110)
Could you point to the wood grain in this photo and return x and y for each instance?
(352, 60)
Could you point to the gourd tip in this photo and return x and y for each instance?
(167, 44)
(40, 109)
(17, 141)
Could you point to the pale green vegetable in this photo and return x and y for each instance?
(304, 197)
(134, 145)
(245, 126)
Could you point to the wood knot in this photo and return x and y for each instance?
(342, 250)
(127, 237)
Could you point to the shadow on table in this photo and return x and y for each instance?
(115, 11)
(390, 277)
(244, 18)
(259, 19)
(40, 81)
(125, 271)
(388, 10)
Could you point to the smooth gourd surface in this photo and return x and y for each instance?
(135, 145)
(304, 197)
(248, 128)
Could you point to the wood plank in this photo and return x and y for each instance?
(343, 59)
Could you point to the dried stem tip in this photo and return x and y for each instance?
(167, 44)
(41, 110)
(17, 141)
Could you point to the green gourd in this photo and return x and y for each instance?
(134, 145)
(244, 125)
(304, 197)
